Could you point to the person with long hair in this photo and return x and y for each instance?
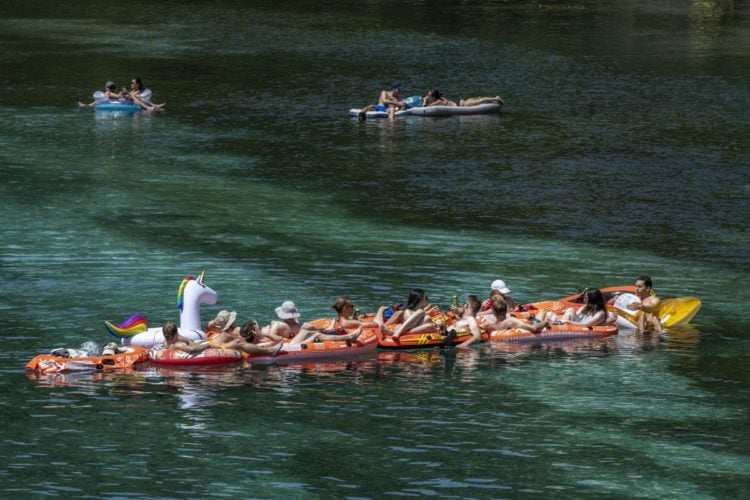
(592, 313)
(416, 315)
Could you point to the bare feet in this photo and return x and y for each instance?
(355, 334)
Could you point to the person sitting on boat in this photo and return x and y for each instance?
(346, 317)
(467, 321)
(173, 340)
(109, 94)
(290, 328)
(247, 341)
(417, 316)
(135, 94)
(503, 321)
(649, 302)
(388, 101)
(592, 313)
(435, 98)
(223, 322)
(498, 289)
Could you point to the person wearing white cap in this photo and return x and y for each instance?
(498, 288)
(290, 328)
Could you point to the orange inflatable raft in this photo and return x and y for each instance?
(327, 349)
(425, 339)
(210, 357)
(558, 306)
(553, 332)
(48, 363)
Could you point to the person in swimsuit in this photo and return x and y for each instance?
(290, 328)
(648, 320)
(435, 98)
(505, 322)
(246, 341)
(389, 100)
(592, 313)
(173, 340)
(344, 308)
(134, 94)
(498, 289)
(109, 92)
(416, 316)
(467, 321)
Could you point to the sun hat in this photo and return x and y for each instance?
(225, 320)
(287, 310)
(109, 84)
(500, 286)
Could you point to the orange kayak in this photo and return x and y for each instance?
(554, 332)
(209, 357)
(327, 349)
(47, 363)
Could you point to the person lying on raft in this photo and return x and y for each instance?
(592, 313)
(435, 98)
(505, 322)
(417, 316)
(344, 308)
(467, 320)
(173, 340)
(223, 322)
(109, 92)
(134, 95)
(290, 328)
(249, 336)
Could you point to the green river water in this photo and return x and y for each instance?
(622, 149)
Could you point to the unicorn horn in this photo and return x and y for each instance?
(202, 277)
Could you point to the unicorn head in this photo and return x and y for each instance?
(190, 296)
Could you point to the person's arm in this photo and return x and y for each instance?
(191, 348)
(596, 319)
(476, 333)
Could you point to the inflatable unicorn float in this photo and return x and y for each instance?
(191, 294)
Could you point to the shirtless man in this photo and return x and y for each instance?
(389, 100)
(505, 322)
(468, 321)
(648, 320)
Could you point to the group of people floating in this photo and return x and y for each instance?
(390, 101)
(135, 95)
(417, 315)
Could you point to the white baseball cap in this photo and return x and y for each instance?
(500, 286)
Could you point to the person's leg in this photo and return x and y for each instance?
(411, 322)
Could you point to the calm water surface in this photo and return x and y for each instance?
(622, 149)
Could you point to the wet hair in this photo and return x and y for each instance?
(139, 84)
(499, 308)
(169, 330)
(594, 301)
(341, 302)
(247, 330)
(646, 280)
(474, 303)
(415, 297)
(434, 94)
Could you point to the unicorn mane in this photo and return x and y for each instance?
(181, 292)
